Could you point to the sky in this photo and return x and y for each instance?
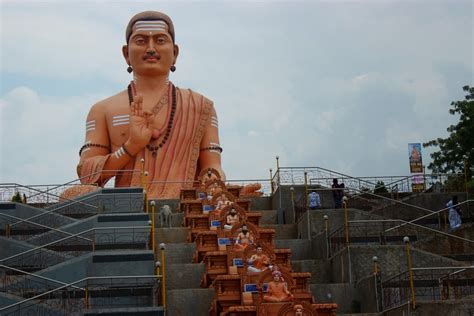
(343, 85)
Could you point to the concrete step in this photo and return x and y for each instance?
(359, 314)
(184, 302)
(184, 275)
(320, 269)
(171, 235)
(126, 311)
(283, 231)
(340, 293)
(179, 253)
(268, 217)
(301, 248)
(261, 203)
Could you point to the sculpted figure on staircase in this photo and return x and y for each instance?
(244, 238)
(277, 289)
(259, 261)
(169, 131)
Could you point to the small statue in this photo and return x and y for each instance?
(244, 238)
(277, 289)
(298, 309)
(231, 219)
(222, 202)
(259, 261)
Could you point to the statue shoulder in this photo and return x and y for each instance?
(196, 96)
(108, 104)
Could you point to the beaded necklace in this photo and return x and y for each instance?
(154, 149)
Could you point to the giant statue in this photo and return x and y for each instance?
(170, 132)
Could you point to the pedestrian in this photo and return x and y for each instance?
(454, 214)
(314, 200)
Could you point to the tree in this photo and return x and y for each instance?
(457, 149)
(380, 188)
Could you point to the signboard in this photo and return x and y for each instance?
(414, 155)
(215, 223)
(418, 183)
(207, 208)
(252, 287)
(238, 262)
(224, 241)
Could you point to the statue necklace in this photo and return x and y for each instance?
(157, 133)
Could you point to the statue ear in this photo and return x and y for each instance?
(176, 53)
(125, 53)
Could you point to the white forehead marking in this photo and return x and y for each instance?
(149, 26)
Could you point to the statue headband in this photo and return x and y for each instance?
(150, 19)
(149, 26)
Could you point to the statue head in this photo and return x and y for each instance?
(150, 48)
(298, 309)
(233, 212)
(277, 276)
(245, 229)
(259, 249)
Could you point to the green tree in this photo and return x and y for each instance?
(458, 148)
(380, 188)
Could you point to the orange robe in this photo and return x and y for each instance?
(176, 161)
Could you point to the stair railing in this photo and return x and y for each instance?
(74, 299)
(430, 285)
(42, 256)
(369, 231)
(22, 286)
(10, 233)
(432, 213)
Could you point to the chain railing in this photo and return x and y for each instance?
(98, 238)
(430, 284)
(91, 292)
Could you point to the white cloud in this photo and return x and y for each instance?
(344, 86)
(41, 136)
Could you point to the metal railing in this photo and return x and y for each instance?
(25, 284)
(430, 284)
(91, 292)
(135, 237)
(324, 177)
(391, 232)
(435, 214)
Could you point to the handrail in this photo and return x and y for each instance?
(75, 235)
(40, 225)
(79, 281)
(434, 213)
(409, 223)
(55, 195)
(393, 200)
(36, 275)
(54, 210)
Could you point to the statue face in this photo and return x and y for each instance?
(150, 51)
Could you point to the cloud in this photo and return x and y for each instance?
(343, 86)
(41, 136)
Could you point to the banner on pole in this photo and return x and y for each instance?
(414, 154)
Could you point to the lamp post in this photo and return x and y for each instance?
(153, 242)
(376, 264)
(278, 169)
(406, 240)
(163, 274)
(326, 231)
(292, 194)
(271, 181)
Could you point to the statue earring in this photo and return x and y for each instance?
(173, 68)
(129, 69)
